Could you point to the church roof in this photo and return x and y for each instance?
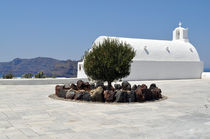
(159, 50)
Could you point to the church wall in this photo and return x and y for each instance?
(160, 70)
(80, 70)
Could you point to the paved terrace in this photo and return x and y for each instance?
(26, 111)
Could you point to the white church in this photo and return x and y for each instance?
(160, 59)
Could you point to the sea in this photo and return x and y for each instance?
(206, 70)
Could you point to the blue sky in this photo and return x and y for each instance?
(64, 29)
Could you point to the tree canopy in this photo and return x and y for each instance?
(109, 60)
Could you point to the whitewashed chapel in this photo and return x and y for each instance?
(160, 59)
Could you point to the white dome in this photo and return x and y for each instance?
(159, 50)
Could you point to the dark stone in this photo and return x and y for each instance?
(73, 86)
(129, 87)
(80, 85)
(97, 94)
(92, 86)
(117, 86)
(67, 86)
(57, 89)
(63, 93)
(139, 95)
(121, 96)
(152, 86)
(107, 88)
(131, 96)
(147, 94)
(60, 91)
(70, 94)
(156, 92)
(86, 96)
(143, 86)
(99, 83)
(134, 87)
(78, 95)
(109, 95)
(86, 86)
(126, 85)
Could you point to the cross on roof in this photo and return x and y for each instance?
(180, 24)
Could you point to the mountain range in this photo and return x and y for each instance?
(50, 67)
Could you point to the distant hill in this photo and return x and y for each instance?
(50, 66)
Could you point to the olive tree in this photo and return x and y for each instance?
(109, 60)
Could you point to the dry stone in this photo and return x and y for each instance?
(73, 86)
(70, 94)
(78, 96)
(121, 96)
(86, 96)
(109, 95)
(139, 95)
(97, 94)
(131, 96)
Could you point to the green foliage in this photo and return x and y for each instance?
(53, 76)
(109, 60)
(40, 75)
(27, 75)
(8, 76)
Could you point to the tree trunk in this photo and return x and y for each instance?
(109, 85)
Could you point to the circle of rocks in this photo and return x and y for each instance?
(98, 92)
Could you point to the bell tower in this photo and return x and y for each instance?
(180, 33)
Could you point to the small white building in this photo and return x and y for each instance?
(160, 59)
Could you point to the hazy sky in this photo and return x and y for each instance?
(64, 29)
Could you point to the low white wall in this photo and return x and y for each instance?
(163, 70)
(206, 75)
(39, 81)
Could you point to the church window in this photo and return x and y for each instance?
(191, 50)
(178, 34)
(146, 50)
(80, 67)
(167, 49)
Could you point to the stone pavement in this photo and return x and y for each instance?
(26, 111)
